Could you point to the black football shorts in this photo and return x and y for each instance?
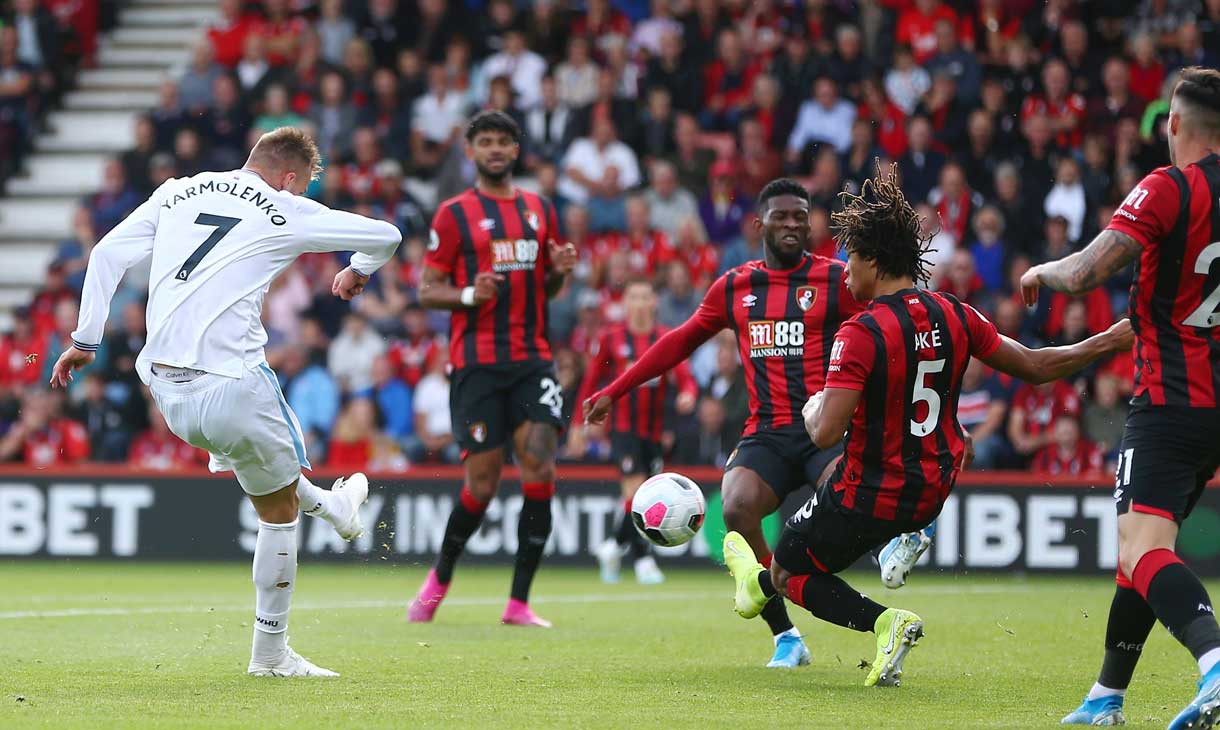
(488, 402)
(1168, 455)
(786, 459)
(635, 455)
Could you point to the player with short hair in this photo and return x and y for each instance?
(1169, 226)
(637, 421)
(494, 260)
(217, 241)
(893, 383)
(784, 310)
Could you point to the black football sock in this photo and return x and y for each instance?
(1131, 620)
(1178, 599)
(775, 613)
(829, 598)
(764, 582)
(463, 522)
(625, 532)
(533, 529)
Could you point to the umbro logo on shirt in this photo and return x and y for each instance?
(487, 224)
(748, 300)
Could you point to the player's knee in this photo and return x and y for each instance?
(482, 485)
(1130, 553)
(740, 512)
(278, 508)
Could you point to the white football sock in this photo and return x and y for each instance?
(1100, 690)
(1209, 660)
(318, 502)
(790, 632)
(275, 576)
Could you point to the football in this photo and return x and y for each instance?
(668, 509)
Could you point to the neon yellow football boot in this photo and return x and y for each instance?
(745, 568)
(897, 631)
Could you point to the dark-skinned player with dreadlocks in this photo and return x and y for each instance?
(892, 385)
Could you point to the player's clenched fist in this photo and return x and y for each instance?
(348, 283)
(1029, 286)
(809, 412)
(563, 257)
(486, 286)
(596, 411)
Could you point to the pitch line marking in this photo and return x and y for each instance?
(585, 598)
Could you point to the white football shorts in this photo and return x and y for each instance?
(244, 423)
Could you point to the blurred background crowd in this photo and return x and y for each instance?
(1016, 126)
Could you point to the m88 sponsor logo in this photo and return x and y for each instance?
(776, 338)
(514, 255)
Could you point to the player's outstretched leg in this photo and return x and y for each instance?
(747, 499)
(898, 558)
(1130, 622)
(275, 575)
(831, 599)
(339, 505)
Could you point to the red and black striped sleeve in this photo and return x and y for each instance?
(445, 241)
(851, 357)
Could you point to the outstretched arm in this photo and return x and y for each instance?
(1051, 363)
(127, 244)
(1084, 270)
(666, 353)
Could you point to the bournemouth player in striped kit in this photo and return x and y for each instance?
(637, 421)
(892, 384)
(784, 310)
(1170, 227)
(494, 260)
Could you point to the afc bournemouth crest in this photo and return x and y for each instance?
(478, 431)
(532, 218)
(806, 296)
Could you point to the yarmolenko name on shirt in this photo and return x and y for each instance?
(247, 193)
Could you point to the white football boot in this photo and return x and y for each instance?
(291, 664)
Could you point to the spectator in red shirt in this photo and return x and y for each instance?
(691, 249)
(727, 83)
(600, 21)
(887, 118)
(917, 28)
(360, 175)
(1068, 454)
(640, 242)
(758, 162)
(356, 443)
(1065, 110)
(410, 354)
(1033, 413)
(954, 201)
(282, 30)
(21, 350)
(228, 36)
(158, 449)
(43, 437)
(54, 290)
(1147, 71)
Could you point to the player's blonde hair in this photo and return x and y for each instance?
(287, 148)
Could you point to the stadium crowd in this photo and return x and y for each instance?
(1016, 125)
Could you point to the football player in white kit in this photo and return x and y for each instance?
(217, 240)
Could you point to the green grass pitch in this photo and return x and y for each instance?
(104, 646)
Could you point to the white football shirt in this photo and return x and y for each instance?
(217, 241)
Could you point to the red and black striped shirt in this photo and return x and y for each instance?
(906, 354)
(642, 411)
(1175, 215)
(473, 233)
(784, 319)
